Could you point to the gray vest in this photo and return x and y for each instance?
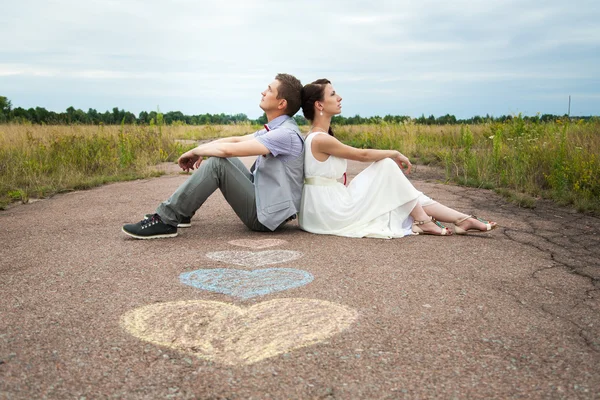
(278, 185)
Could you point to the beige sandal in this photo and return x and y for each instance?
(417, 230)
(489, 225)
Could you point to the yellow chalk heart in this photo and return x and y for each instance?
(233, 335)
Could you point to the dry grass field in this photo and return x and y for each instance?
(38, 161)
(520, 159)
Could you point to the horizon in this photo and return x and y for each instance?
(299, 113)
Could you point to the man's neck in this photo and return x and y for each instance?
(272, 116)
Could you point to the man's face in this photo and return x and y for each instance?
(269, 100)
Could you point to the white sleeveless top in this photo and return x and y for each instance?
(377, 202)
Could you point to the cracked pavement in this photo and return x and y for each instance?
(514, 313)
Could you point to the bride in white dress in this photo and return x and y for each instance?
(380, 202)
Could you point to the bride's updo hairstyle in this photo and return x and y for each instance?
(312, 92)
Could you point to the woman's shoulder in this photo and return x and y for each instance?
(321, 137)
(325, 140)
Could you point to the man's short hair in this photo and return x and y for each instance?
(290, 89)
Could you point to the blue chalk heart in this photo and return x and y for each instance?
(246, 284)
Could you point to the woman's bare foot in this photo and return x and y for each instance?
(430, 227)
(472, 224)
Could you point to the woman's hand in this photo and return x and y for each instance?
(403, 162)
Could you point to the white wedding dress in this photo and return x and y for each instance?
(377, 202)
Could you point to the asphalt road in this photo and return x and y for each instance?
(220, 312)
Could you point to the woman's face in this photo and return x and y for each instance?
(332, 102)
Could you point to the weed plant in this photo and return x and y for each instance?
(521, 160)
(182, 131)
(37, 161)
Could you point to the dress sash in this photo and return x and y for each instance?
(320, 181)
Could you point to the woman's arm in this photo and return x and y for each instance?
(328, 145)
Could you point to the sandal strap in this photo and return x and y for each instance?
(460, 221)
(423, 222)
(483, 221)
(426, 221)
(488, 224)
(438, 223)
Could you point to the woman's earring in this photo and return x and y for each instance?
(321, 113)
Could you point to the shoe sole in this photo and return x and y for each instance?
(166, 235)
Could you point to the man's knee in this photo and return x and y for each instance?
(258, 227)
(213, 163)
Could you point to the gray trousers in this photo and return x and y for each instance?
(229, 175)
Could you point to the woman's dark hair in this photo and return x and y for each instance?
(312, 92)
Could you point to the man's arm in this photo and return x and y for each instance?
(232, 139)
(247, 146)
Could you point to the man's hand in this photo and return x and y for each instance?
(403, 162)
(188, 161)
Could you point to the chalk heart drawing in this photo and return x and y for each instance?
(254, 258)
(246, 284)
(232, 335)
(257, 244)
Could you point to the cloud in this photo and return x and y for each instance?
(24, 70)
(434, 50)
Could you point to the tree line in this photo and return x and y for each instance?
(40, 115)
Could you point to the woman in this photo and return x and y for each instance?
(380, 201)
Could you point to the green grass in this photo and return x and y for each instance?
(554, 160)
(205, 132)
(520, 199)
(38, 161)
(521, 160)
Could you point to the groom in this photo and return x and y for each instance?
(264, 198)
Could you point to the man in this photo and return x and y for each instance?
(263, 199)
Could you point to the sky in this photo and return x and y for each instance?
(399, 57)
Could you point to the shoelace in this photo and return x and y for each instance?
(150, 220)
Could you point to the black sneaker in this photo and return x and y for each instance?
(186, 222)
(150, 228)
